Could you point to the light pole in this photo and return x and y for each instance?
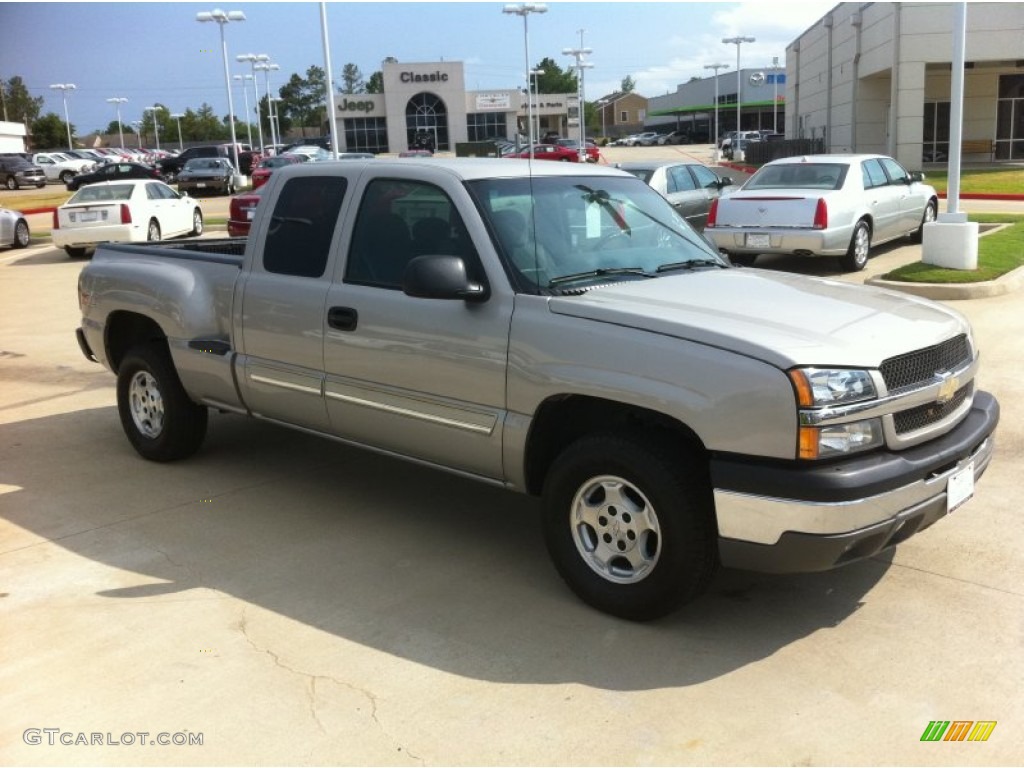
(138, 132)
(64, 88)
(775, 95)
(254, 59)
(580, 66)
(275, 117)
(177, 118)
(156, 128)
(266, 68)
(535, 95)
(738, 41)
(716, 67)
(245, 95)
(524, 10)
(118, 101)
(222, 18)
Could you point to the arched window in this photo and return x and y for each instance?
(426, 122)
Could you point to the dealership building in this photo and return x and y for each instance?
(429, 101)
(876, 77)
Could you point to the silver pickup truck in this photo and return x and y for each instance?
(557, 330)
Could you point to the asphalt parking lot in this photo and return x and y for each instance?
(285, 600)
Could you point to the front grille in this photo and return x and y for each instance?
(920, 367)
(924, 415)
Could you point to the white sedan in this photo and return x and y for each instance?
(822, 205)
(128, 211)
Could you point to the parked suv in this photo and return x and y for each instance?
(17, 172)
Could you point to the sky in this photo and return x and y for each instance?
(156, 52)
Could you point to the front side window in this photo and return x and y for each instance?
(897, 173)
(302, 226)
(706, 178)
(873, 175)
(680, 180)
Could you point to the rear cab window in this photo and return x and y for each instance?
(302, 225)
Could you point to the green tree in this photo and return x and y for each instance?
(17, 105)
(555, 79)
(303, 99)
(351, 80)
(628, 84)
(376, 83)
(50, 131)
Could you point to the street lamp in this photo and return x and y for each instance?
(64, 88)
(775, 95)
(580, 66)
(524, 10)
(245, 95)
(156, 128)
(266, 68)
(535, 94)
(119, 100)
(138, 132)
(177, 118)
(254, 59)
(716, 67)
(275, 117)
(222, 18)
(738, 41)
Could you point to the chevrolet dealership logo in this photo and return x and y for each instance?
(947, 388)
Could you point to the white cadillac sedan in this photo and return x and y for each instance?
(822, 205)
(126, 211)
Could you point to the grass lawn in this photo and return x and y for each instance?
(992, 181)
(998, 253)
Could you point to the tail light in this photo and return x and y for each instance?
(821, 215)
(126, 214)
(56, 219)
(712, 214)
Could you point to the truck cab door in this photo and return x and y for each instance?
(422, 378)
(282, 302)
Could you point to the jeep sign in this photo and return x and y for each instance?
(356, 106)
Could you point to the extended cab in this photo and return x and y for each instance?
(558, 330)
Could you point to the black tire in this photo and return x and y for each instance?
(660, 514)
(742, 259)
(12, 183)
(197, 223)
(76, 253)
(153, 231)
(21, 234)
(856, 257)
(66, 176)
(160, 420)
(928, 216)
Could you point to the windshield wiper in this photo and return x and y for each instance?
(609, 271)
(691, 264)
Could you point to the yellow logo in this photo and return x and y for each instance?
(947, 389)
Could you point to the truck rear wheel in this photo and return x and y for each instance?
(158, 417)
(630, 526)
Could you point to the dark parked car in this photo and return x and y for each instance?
(17, 172)
(113, 172)
(689, 187)
(207, 174)
(171, 166)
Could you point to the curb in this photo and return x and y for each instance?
(955, 292)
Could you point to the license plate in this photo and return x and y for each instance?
(249, 213)
(201, 184)
(759, 241)
(960, 487)
(90, 216)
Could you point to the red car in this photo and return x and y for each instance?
(549, 152)
(242, 210)
(593, 153)
(265, 167)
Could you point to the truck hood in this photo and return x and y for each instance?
(782, 319)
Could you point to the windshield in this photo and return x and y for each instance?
(799, 176)
(567, 232)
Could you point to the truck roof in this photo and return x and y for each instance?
(467, 169)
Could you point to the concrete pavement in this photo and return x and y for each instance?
(289, 601)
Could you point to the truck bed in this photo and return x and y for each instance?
(226, 250)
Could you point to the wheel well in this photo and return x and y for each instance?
(560, 421)
(126, 330)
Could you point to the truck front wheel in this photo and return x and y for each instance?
(629, 524)
(158, 417)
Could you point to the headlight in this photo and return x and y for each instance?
(818, 387)
(840, 439)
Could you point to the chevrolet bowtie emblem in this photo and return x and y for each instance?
(947, 389)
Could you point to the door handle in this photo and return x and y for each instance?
(342, 318)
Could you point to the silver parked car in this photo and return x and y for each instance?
(690, 187)
(822, 205)
(13, 228)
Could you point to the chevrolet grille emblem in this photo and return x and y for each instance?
(947, 389)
